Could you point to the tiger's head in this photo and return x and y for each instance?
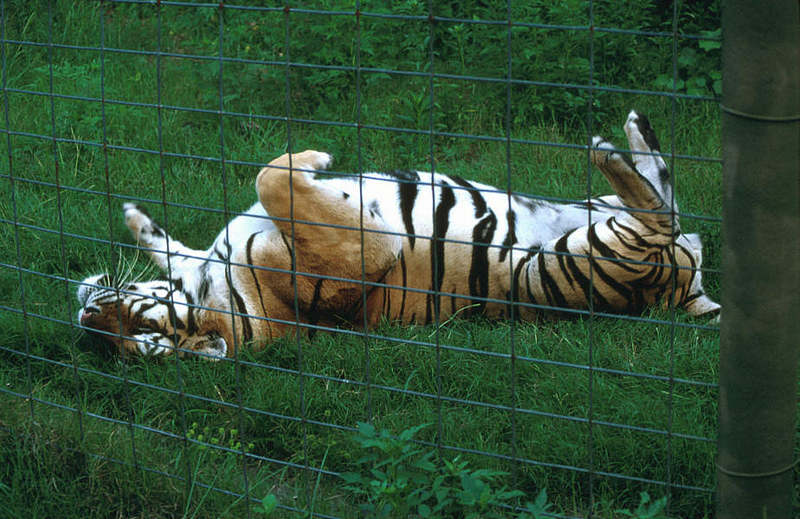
(147, 318)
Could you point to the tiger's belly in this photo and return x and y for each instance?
(436, 280)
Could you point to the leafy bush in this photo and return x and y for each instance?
(397, 478)
(698, 72)
(647, 509)
(549, 47)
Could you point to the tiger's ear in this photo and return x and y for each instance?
(213, 347)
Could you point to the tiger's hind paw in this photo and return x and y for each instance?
(704, 307)
(602, 151)
(311, 159)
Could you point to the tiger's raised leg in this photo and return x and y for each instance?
(327, 230)
(157, 242)
(628, 261)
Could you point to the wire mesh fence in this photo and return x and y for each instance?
(177, 105)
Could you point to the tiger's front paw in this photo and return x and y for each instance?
(143, 228)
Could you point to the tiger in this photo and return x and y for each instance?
(320, 252)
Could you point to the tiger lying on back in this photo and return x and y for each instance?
(432, 245)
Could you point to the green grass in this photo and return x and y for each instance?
(468, 376)
(92, 436)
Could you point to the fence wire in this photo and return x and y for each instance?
(38, 282)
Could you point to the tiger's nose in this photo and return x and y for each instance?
(87, 313)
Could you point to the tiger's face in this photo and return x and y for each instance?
(148, 318)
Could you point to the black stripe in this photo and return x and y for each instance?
(202, 289)
(649, 135)
(607, 252)
(528, 203)
(102, 299)
(129, 307)
(626, 158)
(511, 235)
(477, 199)
(247, 330)
(514, 295)
(407, 191)
(219, 254)
(387, 301)
(249, 252)
(621, 288)
(173, 317)
(663, 175)
(403, 175)
(644, 218)
(144, 307)
(654, 268)
(641, 244)
(151, 325)
(691, 297)
(142, 210)
(550, 286)
(428, 309)
(405, 284)
(441, 222)
(531, 295)
(672, 265)
(564, 254)
(313, 317)
(571, 270)
(191, 323)
(387, 293)
(156, 230)
(482, 235)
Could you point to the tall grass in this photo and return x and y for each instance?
(84, 434)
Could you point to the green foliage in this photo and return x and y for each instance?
(205, 453)
(267, 505)
(539, 507)
(208, 438)
(551, 46)
(397, 478)
(647, 509)
(698, 71)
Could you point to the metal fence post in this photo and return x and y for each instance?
(761, 259)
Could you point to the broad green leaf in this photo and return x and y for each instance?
(351, 477)
(268, 504)
(366, 429)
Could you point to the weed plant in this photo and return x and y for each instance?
(84, 433)
(400, 479)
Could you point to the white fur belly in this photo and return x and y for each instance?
(254, 220)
